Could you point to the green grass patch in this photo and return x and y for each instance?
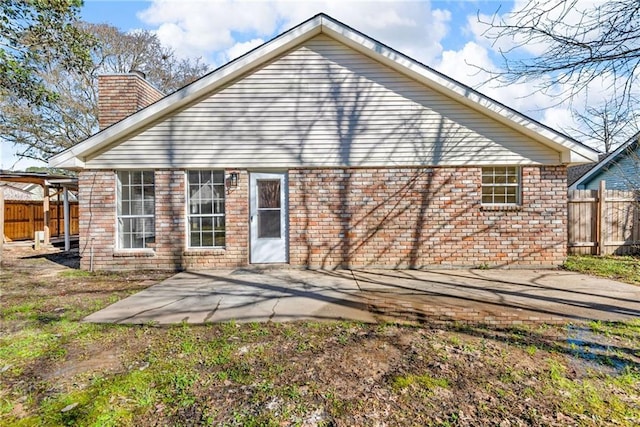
(27, 345)
(425, 381)
(26, 310)
(75, 274)
(588, 398)
(108, 401)
(629, 329)
(623, 268)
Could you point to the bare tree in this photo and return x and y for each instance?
(119, 52)
(583, 42)
(606, 125)
(40, 130)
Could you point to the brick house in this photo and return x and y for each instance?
(322, 148)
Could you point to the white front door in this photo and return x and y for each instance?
(268, 217)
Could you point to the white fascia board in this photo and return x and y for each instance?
(460, 93)
(63, 181)
(67, 160)
(572, 157)
(75, 156)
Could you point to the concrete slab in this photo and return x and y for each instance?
(243, 295)
(500, 296)
(484, 296)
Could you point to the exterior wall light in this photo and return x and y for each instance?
(232, 181)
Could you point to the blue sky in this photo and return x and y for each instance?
(443, 34)
(124, 14)
(131, 15)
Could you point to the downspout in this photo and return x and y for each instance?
(67, 222)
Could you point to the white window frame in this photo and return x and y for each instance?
(501, 177)
(213, 215)
(140, 219)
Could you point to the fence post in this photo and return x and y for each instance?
(602, 209)
(1, 220)
(67, 220)
(47, 214)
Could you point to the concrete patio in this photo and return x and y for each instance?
(280, 294)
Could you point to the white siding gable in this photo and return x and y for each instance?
(323, 104)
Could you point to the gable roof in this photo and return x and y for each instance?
(572, 152)
(607, 161)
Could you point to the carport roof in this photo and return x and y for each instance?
(40, 178)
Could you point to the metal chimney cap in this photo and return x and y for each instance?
(138, 73)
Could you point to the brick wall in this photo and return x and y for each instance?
(97, 196)
(121, 95)
(349, 218)
(422, 217)
(98, 226)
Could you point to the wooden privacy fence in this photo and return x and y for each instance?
(603, 222)
(23, 218)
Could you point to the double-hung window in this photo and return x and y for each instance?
(206, 208)
(136, 209)
(501, 185)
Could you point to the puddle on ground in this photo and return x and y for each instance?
(589, 352)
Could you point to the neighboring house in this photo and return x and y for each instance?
(321, 148)
(620, 169)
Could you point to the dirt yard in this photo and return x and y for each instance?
(55, 370)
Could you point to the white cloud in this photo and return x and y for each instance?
(241, 48)
(214, 29)
(472, 65)
(201, 28)
(467, 65)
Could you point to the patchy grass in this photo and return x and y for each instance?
(622, 268)
(55, 370)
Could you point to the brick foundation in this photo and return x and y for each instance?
(393, 218)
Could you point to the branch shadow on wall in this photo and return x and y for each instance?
(328, 112)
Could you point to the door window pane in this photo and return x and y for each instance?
(269, 202)
(268, 193)
(269, 223)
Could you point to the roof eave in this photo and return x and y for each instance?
(75, 156)
(571, 152)
(462, 94)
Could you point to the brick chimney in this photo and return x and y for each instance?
(121, 95)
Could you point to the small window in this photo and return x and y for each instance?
(206, 219)
(136, 209)
(501, 185)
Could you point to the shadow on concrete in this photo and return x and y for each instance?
(485, 304)
(495, 297)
